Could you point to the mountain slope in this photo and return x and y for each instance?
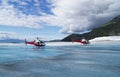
(112, 28)
(11, 41)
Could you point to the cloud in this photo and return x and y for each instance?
(73, 16)
(14, 35)
(5, 32)
(12, 16)
(83, 15)
(7, 35)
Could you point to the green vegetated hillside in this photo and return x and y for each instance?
(112, 28)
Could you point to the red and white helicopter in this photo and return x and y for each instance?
(36, 42)
(82, 41)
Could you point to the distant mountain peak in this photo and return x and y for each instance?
(10, 40)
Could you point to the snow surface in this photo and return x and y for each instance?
(108, 39)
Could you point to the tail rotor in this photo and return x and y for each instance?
(25, 42)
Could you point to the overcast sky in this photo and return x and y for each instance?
(52, 19)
